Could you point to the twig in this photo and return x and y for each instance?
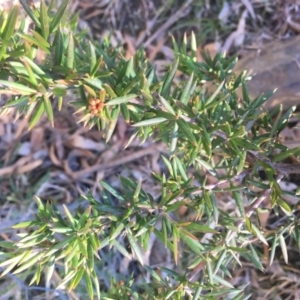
(117, 162)
(168, 23)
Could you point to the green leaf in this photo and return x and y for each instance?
(242, 160)
(208, 167)
(121, 249)
(193, 46)
(62, 229)
(69, 217)
(135, 247)
(77, 278)
(286, 154)
(175, 238)
(112, 191)
(166, 105)
(36, 115)
(26, 224)
(273, 248)
(30, 12)
(193, 244)
(166, 87)
(40, 39)
(90, 257)
(220, 261)
(192, 226)
(7, 245)
(88, 283)
(258, 233)
(17, 88)
(213, 96)
(32, 40)
(125, 112)
(96, 283)
(94, 240)
(206, 141)
(239, 202)
(160, 236)
(186, 130)
(48, 108)
(59, 92)
(209, 271)
(71, 52)
(109, 91)
(82, 243)
(44, 20)
(116, 231)
(255, 258)
(284, 205)
(92, 56)
(15, 260)
(283, 248)
(31, 75)
(94, 82)
(223, 282)
(58, 47)
(59, 15)
(67, 278)
(137, 191)
(120, 100)
(174, 139)
(11, 23)
(29, 263)
(112, 124)
(50, 268)
(185, 95)
(37, 276)
(150, 122)
(96, 68)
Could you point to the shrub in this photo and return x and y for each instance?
(219, 134)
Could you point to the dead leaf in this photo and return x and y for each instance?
(78, 141)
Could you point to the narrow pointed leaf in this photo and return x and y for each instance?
(76, 278)
(30, 12)
(94, 82)
(49, 110)
(214, 95)
(17, 87)
(59, 15)
(37, 114)
(186, 130)
(185, 95)
(71, 52)
(89, 285)
(11, 23)
(44, 20)
(120, 100)
(135, 248)
(167, 105)
(149, 122)
(283, 248)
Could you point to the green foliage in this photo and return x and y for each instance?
(196, 127)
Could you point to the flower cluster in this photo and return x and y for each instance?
(95, 106)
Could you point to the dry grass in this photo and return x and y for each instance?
(62, 162)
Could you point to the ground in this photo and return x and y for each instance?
(62, 162)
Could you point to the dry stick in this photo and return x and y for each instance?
(117, 162)
(168, 23)
(281, 168)
(149, 26)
